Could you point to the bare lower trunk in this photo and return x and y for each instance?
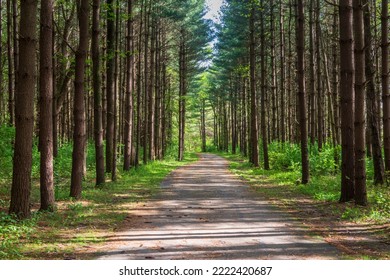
(347, 97)
(263, 96)
(373, 118)
(360, 118)
(129, 90)
(46, 106)
(385, 83)
(79, 137)
(24, 121)
(301, 91)
(110, 85)
(98, 120)
(11, 105)
(253, 133)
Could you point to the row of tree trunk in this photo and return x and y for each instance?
(323, 91)
(123, 98)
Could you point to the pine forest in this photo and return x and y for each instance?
(177, 118)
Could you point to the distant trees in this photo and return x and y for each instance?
(129, 85)
(146, 70)
(342, 76)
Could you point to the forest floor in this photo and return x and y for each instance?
(205, 212)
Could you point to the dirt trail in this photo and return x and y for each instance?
(205, 212)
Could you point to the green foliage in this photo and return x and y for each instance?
(11, 231)
(74, 223)
(7, 135)
(324, 184)
(378, 210)
(288, 157)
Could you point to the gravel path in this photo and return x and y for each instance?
(205, 212)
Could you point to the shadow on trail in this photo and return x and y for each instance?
(205, 212)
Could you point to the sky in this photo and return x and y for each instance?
(214, 6)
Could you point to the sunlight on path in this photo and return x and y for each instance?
(205, 212)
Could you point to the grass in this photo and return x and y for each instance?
(68, 232)
(324, 186)
(344, 225)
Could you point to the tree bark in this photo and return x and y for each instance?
(11, 100)
(146, 80)
(360, 118)
(24, 114)
(15, 39)
(373, 117)
(151, 98)
(79, 137)
(273, 92)
(110, 85)
(347, 97)
(139, 88)
(301, 90)
(263, 94)
(46, 105)
(312, 101)
(98, 118)
(203, 124)
(282, 75)
(116, 92)
(252, 57)
(182, 94)
(129, 89)
(385, 82)
(320, 104)
(2, 99)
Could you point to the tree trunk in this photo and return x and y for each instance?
(385, 82)
(320, 104)
(110, 85)
(79, 137)
(11, 100)
(146, 81)
(151, 99)
(182, 89)
(24, 121)
(139, 89)
(2, 99)
(46, 105)
(273, 74)
(301, 91)
(252, 57)
(373, 117)
(98, 120)
(244, 119)
(312, 101)
(282, 75)
(360, 117)
(336, 108)
(203, 125)
(15, 39)
(263, 94)
(129, 89)
(347, 97)
(116, 92)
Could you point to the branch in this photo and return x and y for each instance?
(62, 36)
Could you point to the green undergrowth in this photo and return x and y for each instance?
(283, 183)
(77, 225)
